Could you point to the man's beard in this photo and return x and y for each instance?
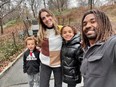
(92, 36)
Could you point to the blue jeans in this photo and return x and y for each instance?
(45, 74)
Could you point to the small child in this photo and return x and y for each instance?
(31, 62)
(71, 53)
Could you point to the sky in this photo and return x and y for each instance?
(73, 3)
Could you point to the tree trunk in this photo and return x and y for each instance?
(44, 3)
(33, 13)
(90, 3)
(26, 28)
(1, 25)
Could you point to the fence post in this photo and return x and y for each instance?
(14, 41)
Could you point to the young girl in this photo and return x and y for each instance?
(70, 56)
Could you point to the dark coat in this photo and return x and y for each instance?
(70, 60)
(99, 64)
(31, 64)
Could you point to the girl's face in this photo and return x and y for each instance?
(47, 19)
(67, 33)
(31, 45)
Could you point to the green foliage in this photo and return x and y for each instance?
(10, 23)
(8, 49)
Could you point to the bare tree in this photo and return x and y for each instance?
(97, 3)
(82, 2)
(44, 1)
(2, 3)
(5, 10)
(90, 4)
(25, 17)
(110, 2)
(35, 5)
(60, 5)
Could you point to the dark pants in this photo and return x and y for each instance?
(71, 85)
(45, 74)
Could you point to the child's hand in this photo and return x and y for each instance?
(82, 45)
(24, 71)
(38, 48)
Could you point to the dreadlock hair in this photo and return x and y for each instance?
(104, 27)
(42, 28)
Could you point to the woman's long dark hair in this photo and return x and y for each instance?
(104, 27)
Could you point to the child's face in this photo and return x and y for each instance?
(67, 33)
(31, 45)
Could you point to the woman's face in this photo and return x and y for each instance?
(47, 19)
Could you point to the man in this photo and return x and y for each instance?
(99, 61)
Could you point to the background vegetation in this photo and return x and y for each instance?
(16, 16)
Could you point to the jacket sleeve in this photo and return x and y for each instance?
(24, 64)
(38, 59)
(37, 53)
(79, 54)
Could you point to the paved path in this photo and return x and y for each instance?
(15, 77)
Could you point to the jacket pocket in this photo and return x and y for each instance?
(95, 66)
(95, 58)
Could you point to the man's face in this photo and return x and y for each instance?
(90, 26)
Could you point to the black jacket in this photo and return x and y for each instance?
(31, 63)
(70, 60)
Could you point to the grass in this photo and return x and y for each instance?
(8, 49)
(10, 23)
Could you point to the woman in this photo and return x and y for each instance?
(50, 42)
